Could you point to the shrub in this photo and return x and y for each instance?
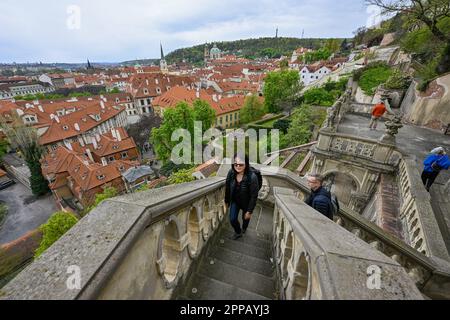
(397, 81)
(181, 176)
(3, 212)
(372, 77)
(58, 224)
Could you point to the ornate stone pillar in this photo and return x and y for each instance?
(392, 127)
(358, 201)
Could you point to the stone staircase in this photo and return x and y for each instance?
(235, 269)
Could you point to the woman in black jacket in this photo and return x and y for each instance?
(241, 193)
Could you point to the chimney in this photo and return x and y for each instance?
(102, 104)
(197, 94)
(94, 143)
(40, 108)
(119, 138)
(97, 137)
(57, 119)
(214, 97)
(146, 81)
(101, 97)
(113, 133)
(68, 145)
(77, 127)
(80, 140)
(36, 102)
(89, 154)
(104, 162)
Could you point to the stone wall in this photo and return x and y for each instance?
(430, 109)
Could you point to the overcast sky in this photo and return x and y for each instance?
(114, 31)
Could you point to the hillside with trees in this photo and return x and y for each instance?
(421, 29)
(249, 48)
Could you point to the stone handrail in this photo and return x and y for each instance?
(417, 214)
(367, 152)
(135, 246)
(431, 274)
(318, 260)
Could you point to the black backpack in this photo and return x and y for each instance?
(334, 204)
(258, 175)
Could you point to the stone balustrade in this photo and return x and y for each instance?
(416, 213)
(356, 148)
(318, 260)
(139, 246)
(135, 246)
(431, 276)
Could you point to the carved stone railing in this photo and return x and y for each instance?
(316, 259)
(356, 148)
(431, 275)
(416, 213)
(138, 246)
(135, 246)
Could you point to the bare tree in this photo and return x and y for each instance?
(429, 12)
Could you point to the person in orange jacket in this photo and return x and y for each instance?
(377, 113)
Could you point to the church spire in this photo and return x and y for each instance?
(162, 53)
(162, 62)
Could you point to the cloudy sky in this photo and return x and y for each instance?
(114, 31)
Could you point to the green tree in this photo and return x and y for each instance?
(333, 45)
(284, 64)
(280, 88)
(3, 148)
(3, 212)
(300, 130)
(58, 224)
(319, 97)
(181, 176)
(252, 110)
(26, 139)
(182, 116)
(205, 113)
(109, 192)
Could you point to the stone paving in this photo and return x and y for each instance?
(413, 141)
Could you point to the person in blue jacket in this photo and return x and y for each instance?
(433, 164)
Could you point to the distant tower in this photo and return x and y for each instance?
(215, 53)
(206, 55)
(303, 33)
(89, 66)
(162, 62)
(276, 33)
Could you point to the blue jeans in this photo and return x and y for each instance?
(234, 214)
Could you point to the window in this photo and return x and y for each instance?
(149, 101)
(124, 155)
(226, 118)
(111, 158)
(145, 91)
(115, 147)
(65, 127)
(235, 116)
(101, 177)
(158, 90)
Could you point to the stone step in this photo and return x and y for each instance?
(251, 232)
(242, 261)
(238, 277)
(250, 237)
(207, 288)
(240, 246)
